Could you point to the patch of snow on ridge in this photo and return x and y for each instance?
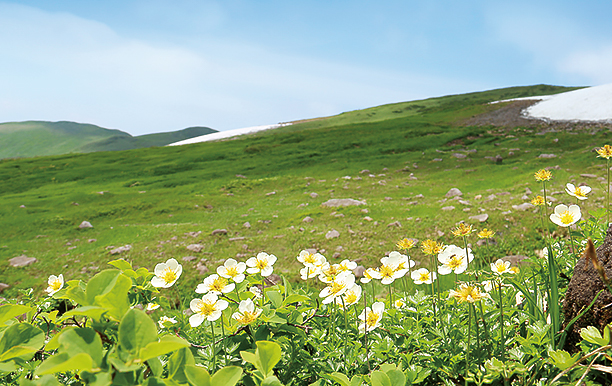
(227, 134)
(587, 104)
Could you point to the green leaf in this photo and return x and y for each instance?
(153, 381)
(269, 354)
(562, 359)
(156, 366)
(357, 380)
(136, 330)
(45, 380)
(177, 364)
(251, 358)
(166, 344)
(380, 379)
(276, 298)
(97, 379)
(271, 381)
(101, 284)
(592, 335)
(339, 378)
(62, 362)
(197, 375)
(54, 344)
(121, 264)
(396, 377)
(227, 376)
(116, 298)
(83, 340)
(75, 293)
(7, 367)
(93, 312)
(9, 311)
(121, 366)
(19, 340)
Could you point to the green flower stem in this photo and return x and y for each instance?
(223, 343)
(365, 332)
(212, 329)
(345, 337)
(486, 328)
(501, 345)
(263, 290)
(608, 196)
(307, 282)
(545, 205)
(433, 300)
(467, 354)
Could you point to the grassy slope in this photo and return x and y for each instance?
(38, 138)
(147, 140)
(152, 197)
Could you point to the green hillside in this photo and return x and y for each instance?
(39, 138)
(158, 199)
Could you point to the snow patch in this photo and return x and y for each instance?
(228, 134)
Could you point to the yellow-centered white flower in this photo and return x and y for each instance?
(565, 216)
(404, 263)
(350, 297)
(311, 260)
(347, 265)
(208, 308)
(453, 259)
(500, 267)
(165, 321)
(232, 269)
(580, 192)
(341, 283)
(152, 306)
(423, 276)
(263, 264)
(329, 272)
(247, 312)
(370, 274)
(166, 274)
(389, 269)
(215, 284)
(371, 317)
(54, 284)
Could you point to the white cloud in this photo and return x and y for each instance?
(57, 66)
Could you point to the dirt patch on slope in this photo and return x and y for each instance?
(509, 115)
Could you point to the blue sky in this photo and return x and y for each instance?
(146, 66)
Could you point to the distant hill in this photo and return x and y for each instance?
(39, 138)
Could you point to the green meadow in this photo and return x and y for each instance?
(157, 199)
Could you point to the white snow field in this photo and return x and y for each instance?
(586, 104)
(228, 134)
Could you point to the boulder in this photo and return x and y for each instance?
(524, 206)
(219, 232)
(453, 192)
(85, 224)
(247, 225)
(21, 261)
(332, 234)
(582, 289)
(480, 217)
(314, 195)
(336, 202)
(195, 247)
(307, 219)
(122, 249)
(3, 286)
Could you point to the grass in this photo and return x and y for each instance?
(150, 198)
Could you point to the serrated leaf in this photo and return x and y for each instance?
(197, 375)
(562, 359)
(62, 362)
(166, 345)
(9, 311)
(227, 376)
(592, 335)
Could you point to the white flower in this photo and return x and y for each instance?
(371, 317)
(341, 283)
(262, 264)
(311, 260)
(500, 267)
(208, 308)
(309, 272)
(55, 283)
(580, 192)
(370, 274)
(215, 284)
(453, 259)
(329, 272)
(256, 292)
(519, 297)
(350, 297)
(423, 276)
(247, 313)
(347, 265)
(232, 269)
(389, 269)
(166, 274)
(152, 307)
(164, 320)
(404, 263)
(399, 303)
(565, 216)
(488, 285)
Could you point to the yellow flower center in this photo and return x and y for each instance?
(218, 284)
(168, 275)
(247, 317)
(454, 262)
(371, 318)
(430, 247)
(56, 285)
(310, 259)
(261, 264)
(351, 298)
(566, 217)
(336, 287)
(424, 276)
(500, 267)
(206, 308)
(231, 271)
(543, 175)
(578, 192)
(386, 272)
